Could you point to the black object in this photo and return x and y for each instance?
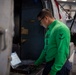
(27, 69)
(73, 34)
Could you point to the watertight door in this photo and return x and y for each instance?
(32, 33)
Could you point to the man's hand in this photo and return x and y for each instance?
(32, 65)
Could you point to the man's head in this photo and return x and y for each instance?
(45, 17)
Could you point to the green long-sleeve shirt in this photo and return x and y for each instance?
(57, 40)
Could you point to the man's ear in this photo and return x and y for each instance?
(46, 17)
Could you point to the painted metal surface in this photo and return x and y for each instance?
(6, 23)
(32, 42)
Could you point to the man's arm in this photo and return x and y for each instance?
(41, 58)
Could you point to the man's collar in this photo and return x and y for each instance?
(51, 24)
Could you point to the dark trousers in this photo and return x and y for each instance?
(64, 71)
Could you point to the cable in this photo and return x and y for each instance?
(62, 7)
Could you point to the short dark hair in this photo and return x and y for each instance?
(44, 12)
